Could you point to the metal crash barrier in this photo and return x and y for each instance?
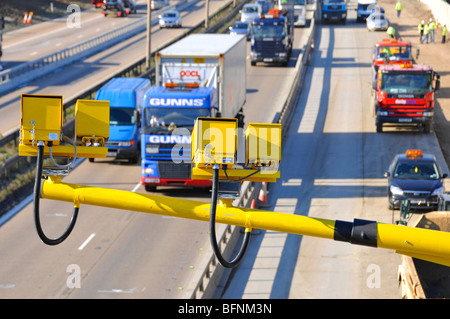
(221, 151)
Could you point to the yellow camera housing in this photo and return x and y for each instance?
(214, 141)
(42, 119)
(263, 145)
(92, 122)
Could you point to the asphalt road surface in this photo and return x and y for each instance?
(332, 167)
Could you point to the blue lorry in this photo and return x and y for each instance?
(334, 10)
(202, 75)
(168, 117)
(125, 96)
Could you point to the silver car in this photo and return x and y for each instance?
(377, 21)
(170, 19)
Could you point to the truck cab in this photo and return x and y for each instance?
(365, 8)
(334, 10)
(125, 97)
(390, 52)
(272, 37)
(405, 95)
(168, 117)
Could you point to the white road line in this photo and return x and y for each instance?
(136, 187)
(86, 241)
(93, 234)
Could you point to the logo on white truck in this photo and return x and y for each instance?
(175, 102)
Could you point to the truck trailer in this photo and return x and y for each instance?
(202, 75)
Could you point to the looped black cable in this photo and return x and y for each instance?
(212, 228)
(37, 195)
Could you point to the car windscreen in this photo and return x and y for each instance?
(250, 10)
(394, 53)
(238, 25)
(122, 116)
(268, 30)
(416, 170)
(159, 120)
(407, 82)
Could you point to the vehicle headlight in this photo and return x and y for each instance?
(148, 171)
(125, 143)
(438, 191)
(428, 114)
(395, 190)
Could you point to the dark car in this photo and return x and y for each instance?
(114, 7)
(417, 177)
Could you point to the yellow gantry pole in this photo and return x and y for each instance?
(424, 244)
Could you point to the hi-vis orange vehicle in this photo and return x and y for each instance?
(405, 95)
(390, 51)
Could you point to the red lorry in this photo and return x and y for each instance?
(405, 95)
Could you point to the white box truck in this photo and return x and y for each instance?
(211, 60)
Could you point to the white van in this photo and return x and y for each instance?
(250, 12)
(365, 9)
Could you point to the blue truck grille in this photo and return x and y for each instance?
(165, 153)
(169, 169)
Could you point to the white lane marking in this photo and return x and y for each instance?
(136, 187)
(86, 241)
(93, 234)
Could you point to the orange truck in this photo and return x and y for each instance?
(404, 94)
(388, 52)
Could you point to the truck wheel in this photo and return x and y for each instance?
(427, 128)
(253, 63)
(149, 188)
(91, 160)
